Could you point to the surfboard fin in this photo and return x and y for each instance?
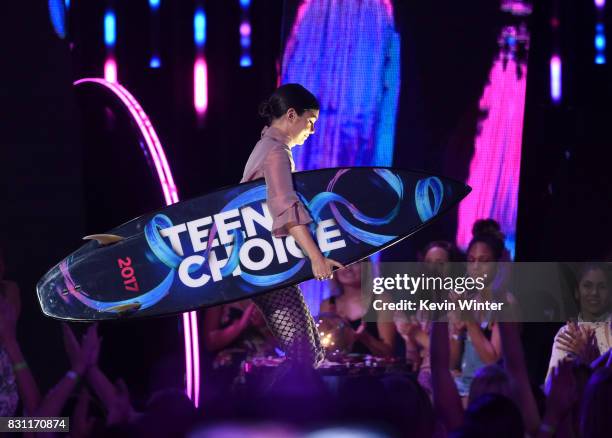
(125, 309)
(104, 239)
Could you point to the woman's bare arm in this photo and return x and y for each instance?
(217, 338)
(488, 351)
(383, 346)
(26, 385)
(447, 402)
(514, 362)
(321, 266)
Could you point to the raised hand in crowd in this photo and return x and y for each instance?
(120, 410)
(82, 424)
(114, 397)
(80, 357)
(26, 385)
(217, 337)
(560, 400)
(85, 354)
(447, 402)
(516, 369)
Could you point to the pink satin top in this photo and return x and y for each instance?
(271, 158)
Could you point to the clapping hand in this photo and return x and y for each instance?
(91, 344)
(580, 341)
(409, 328)
(84, 355)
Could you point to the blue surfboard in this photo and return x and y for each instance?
(218, 248)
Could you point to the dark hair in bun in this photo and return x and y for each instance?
(489, 232)
(288, 96)
(484, 226)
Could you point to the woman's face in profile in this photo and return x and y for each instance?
(481, 262)
(593, 293)
(303, 126)
(436, 261)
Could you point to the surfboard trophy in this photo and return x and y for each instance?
(218, 248)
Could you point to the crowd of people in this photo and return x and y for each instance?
(467, 377)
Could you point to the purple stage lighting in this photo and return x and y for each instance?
(495, 166)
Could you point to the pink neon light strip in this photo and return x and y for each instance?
(196, 358)
(200, 85)
(188, 356)
(190, 325)
(600, 3)
(555, 78)
(495, 167)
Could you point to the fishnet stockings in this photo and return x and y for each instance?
(292, 324)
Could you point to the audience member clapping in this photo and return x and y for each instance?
(591, 334)
(439, 258)
(17, 379)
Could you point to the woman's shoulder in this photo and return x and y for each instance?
(272, 141)
(268, 149)
(264, 154)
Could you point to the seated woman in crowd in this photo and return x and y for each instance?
(16, 381)
(438, 258)
(369, 333)
(475, 340)
(591, 334)
(236, 329)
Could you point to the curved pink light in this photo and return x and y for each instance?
(164, 174)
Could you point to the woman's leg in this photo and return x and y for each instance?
(292, 324)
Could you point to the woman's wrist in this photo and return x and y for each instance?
(316, 256)
(73, 374)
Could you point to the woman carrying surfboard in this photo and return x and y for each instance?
(291, 112)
